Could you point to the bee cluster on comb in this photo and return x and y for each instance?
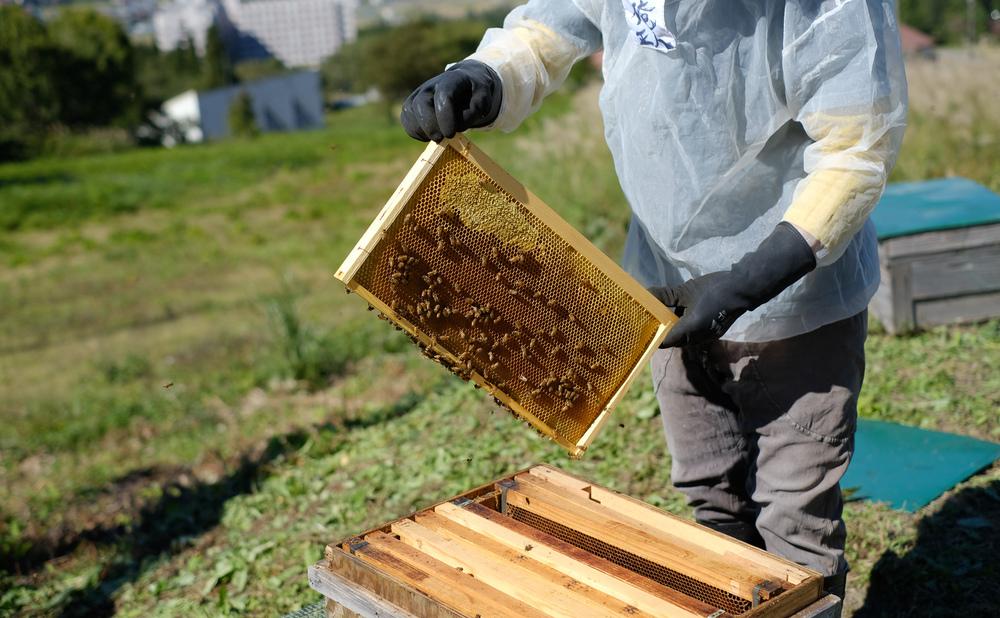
(494, 285)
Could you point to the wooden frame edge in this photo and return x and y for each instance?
(584, 443)
(407, 187)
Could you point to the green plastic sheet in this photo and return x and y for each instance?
(915, 207)
(909, 467)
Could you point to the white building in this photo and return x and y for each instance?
(180, 20)
(296, 32)
(283, 103)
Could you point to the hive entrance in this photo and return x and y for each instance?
(492, 290)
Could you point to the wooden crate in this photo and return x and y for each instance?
(497, 287)
(939, 277)
(544, 543)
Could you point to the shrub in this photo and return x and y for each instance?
(241, 119)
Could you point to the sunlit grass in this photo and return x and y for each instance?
(193, 407)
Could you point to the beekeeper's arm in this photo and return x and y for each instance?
(844, 83)
(510, 74)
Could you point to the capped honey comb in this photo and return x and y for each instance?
(493, 284)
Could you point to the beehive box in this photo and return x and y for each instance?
(939, 277)
(939, 253)
(496, 286)
(544, 543)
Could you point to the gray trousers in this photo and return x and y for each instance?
(761, 434)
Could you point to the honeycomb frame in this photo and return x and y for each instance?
(588, 335)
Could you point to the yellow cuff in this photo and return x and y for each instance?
(831, 204)
(847, 168)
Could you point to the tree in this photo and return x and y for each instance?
(28, 102)
(218, 66)
(945, 20)
(242, 122)
(258, 68)
(163, 75)
(377, 60)
(344, 71)
(95, 69)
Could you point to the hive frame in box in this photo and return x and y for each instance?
(356, 574)
(399, 200)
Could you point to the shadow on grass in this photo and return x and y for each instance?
(952, 570)
(37, 179)
(184, 512)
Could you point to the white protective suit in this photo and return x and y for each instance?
(724, 118)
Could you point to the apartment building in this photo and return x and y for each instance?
(299, 33)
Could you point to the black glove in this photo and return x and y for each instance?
(708, 305)
(466, 96)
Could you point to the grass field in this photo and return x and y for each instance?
(193, 407)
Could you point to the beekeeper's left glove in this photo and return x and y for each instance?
(466, 96)
(708, 305)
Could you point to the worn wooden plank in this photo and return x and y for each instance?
(456, 589)
(495, 571)
(336, 610)
(829, 606)
(956, 273)
(593, 519)
(972, 308)
(357, 599)
(592, 570)
(676, 528)
(584, 501)
(940, 241)
(387, 587)
(902, 319)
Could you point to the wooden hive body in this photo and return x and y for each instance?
(496, 286)
(544, 543)
(939, 277)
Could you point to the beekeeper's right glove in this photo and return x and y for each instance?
(466, 96)
(710, 304)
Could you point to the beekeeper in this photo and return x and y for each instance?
(752, 139)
